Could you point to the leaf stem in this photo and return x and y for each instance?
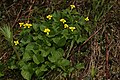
(17, 54)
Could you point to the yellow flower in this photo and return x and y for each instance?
(72, 6)
(21, 24)
(86, 19)
(72, 28)
(66, 26)
(62, 20)
(49, 17)
(16, 42)
(47, 31)
(27, 25)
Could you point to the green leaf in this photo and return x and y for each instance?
(51, 58)
(26, 74)
(62, 42)
(35, 26)
(27, 66)
(80, 66)
(81, 39)
(93, 71)
(82, 20)
(71, 69)
(27, 55)
(24, 42)
(65, 62)
(75, 12)
(43, 67)
(26, 39)
(56, 16)
(42, 27)
(55, 40)
(36, 46)
(65, 32)
(5, 30)
(1, 74)
(48, 43)
(64, 74)
(38, 72)
(59, 41)
(41, 70)
(87, 28)
(37, 58)
(52, 67)
(30, 46)
(49, 64)
(54, 57)
(44, 53)
(12, 67)
(35, 38)
(40, 37)
(60, 51)
(21, 63)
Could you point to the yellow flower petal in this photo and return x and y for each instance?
(29, 25)
(66, 26)
(62, 20)
(16, 42)
(86, 19)
(49, 17)
(72, 28)
(25, 25)
(47, 31)
(72, 6)
(21, 24)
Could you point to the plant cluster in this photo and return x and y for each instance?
(45, 45)
(42, 45)
(54, 45)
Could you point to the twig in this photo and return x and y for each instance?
(30, 10)
(107, 56)
(17, 17)
(3, 56)
(71, 46)
(58, 76)
(47, 73)
(89, 38)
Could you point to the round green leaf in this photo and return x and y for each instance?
(37, 58)
(26, 74)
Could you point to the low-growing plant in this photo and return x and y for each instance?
(8, 34)
(45, 46)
